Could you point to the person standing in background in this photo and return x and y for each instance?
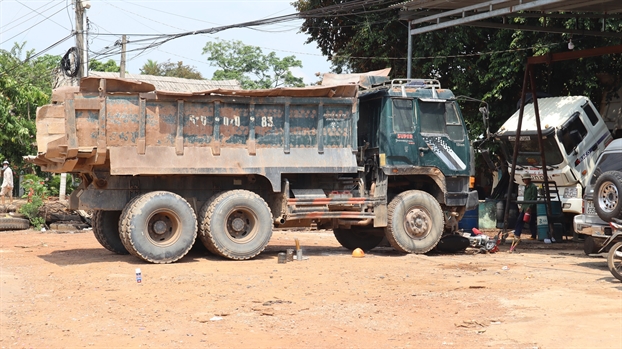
(7, 182)
(531, 194)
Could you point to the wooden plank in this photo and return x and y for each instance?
(70, 127)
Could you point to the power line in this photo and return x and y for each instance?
(27, 19)
(29, 58)
(333, 10)
(30, 8)
(23, 31)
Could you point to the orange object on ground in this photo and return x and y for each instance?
(358, 253)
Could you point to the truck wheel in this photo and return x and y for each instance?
(158, 227)
(607, 192)
(106, 230)
(614, 261)
(359, 237)
(236, 224)
(415, 222)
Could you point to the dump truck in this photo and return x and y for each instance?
(162, 169)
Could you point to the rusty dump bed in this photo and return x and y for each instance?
(128, 128)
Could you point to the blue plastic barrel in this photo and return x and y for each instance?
(470, 220)
(542, 222)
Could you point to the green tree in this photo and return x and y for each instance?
(109, 66)
(168, 68)
(377, 39)
(25, 84)
(151, 68)
(250, 66)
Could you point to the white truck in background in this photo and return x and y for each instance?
(574, 135)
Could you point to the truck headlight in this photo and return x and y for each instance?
(570, 193)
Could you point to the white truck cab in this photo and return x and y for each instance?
(574, 134)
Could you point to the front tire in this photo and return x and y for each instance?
(614, 261)
(415, 222)
(158, 227)
(607, 195)
(236, 224)
(106, 230)
(359, 237)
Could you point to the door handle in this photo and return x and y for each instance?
(423, 149)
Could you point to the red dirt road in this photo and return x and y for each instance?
(64, 290)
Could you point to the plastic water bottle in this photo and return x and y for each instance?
(139, 276)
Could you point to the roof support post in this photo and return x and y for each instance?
(409, 60)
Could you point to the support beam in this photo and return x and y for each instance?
(545, 29)
(476, 17)
(565, 56)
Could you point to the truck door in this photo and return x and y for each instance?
(442, 139)
(401, 147)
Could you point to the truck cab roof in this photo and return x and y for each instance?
(554, 112)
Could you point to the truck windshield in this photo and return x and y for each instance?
(440, 117)
(529, 151)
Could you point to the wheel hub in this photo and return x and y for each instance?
(241, 225)
(418, 223)
(237, 224)
(608, 197)
(164, 228)
(159, 227)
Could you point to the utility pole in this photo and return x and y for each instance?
(123, 44)
(80, 6)
(83, 68)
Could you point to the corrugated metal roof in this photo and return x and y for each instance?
(554, 111)
(173, 84)
(430, 15)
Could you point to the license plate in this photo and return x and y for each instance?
(590, 208)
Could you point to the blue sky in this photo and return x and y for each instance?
(42, 23)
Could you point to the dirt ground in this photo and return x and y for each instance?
(64, 290)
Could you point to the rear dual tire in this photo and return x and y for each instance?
(158, 227)
(236, 224)
(106, 230)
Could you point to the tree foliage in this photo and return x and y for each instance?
(168, 68)
(487, 64)
(250, 66)
(25, 84)
(109, 66)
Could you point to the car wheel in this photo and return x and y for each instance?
(607, 195)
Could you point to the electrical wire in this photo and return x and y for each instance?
(29, 58)
(333, 10)
(23, 31)
(27, 19)
(30, 8)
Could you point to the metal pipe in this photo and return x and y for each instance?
(410, 53)
(515, 155)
